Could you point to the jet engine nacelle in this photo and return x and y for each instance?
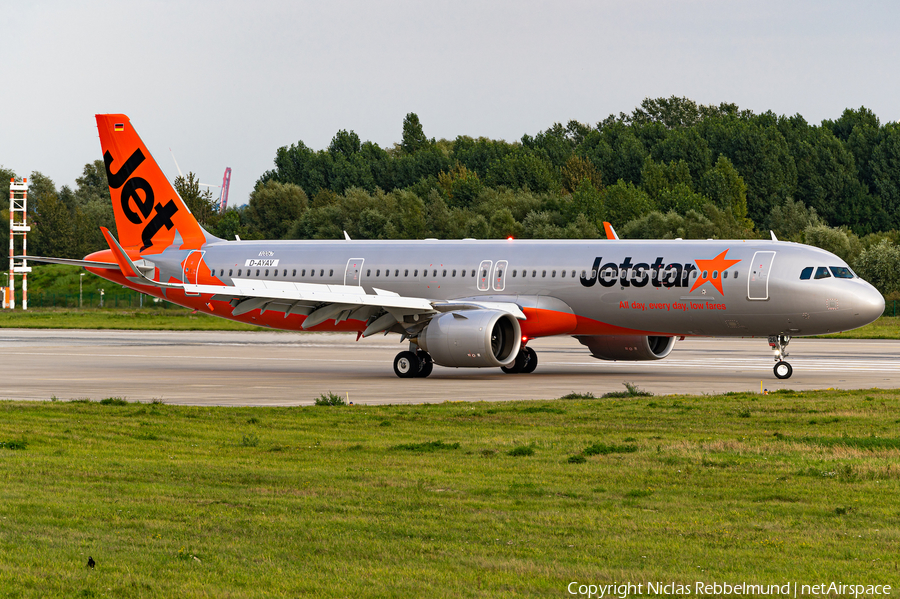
(472, 338)
(628, 347)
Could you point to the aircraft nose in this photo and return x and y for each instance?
(869, 303)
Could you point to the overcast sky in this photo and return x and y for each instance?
(225, 83)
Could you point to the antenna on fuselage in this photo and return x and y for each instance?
(772, 233)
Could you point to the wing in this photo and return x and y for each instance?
(382, 310)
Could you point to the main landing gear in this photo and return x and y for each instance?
(779, 343)
(409, 364)
(526, 362)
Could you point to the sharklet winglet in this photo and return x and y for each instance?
(127, 266)
(610, 232)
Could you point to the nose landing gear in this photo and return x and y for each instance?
(779, 343)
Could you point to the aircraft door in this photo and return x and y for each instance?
(760, 270)
(191, 271)
(500, 275)
(484, 275)
(353, 272)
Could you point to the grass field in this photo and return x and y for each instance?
(450, 500)
(174, 319)
(886, 327)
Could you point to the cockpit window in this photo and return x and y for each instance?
(822, 273)
(841, 272)
(806, 273)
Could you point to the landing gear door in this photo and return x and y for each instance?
(484, 275)
(353, 272)
(760, 270)
(191, 271)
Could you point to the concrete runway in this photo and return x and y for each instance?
(274, 368)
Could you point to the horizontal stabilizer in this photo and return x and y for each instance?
(71, 262)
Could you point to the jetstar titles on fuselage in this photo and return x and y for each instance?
(658, 274)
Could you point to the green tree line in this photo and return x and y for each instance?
(671, 168)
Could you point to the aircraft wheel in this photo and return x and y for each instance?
(426, 364)
(517, 366)
(783, 370)
(531, 362)
(406, 365)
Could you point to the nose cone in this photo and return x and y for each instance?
(869, 305)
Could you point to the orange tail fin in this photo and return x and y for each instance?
(149, 213)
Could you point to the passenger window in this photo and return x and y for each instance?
(416, 272)
(229, 272)
(806, 273)
(563, 274)
(543, 273)
(454, 272)
(257, 272)
(725, 275)
(735, 274)
(463, 273)
(369, 272)
(573, 274)
(331, 273)
(514, 273)
(276, 272)
(396, 272)
(312, 272)
(553, 274)
(321, 272)
(841, 272)
(267, 272)
(239, 272)
(444, 274)
(378, 273)
(434, 274)
(387, 272)
(303, 273)
(533, 273)
(294, 273)
(822, 273)
(406, 273)
(583, 273)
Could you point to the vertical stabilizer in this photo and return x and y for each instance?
(150, 215)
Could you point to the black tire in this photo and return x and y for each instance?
(783, 370)
(426, 364)
(406, 365)
(531, 362)
(518, 365)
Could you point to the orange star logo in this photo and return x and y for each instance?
(711, 271)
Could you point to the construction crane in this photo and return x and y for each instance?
(223, 189)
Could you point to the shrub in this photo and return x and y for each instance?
(426, 447)
(521, 450)
(632, 390)
(114, 401)
(573, 395)
(330, 399)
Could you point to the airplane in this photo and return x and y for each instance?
(472, 303)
